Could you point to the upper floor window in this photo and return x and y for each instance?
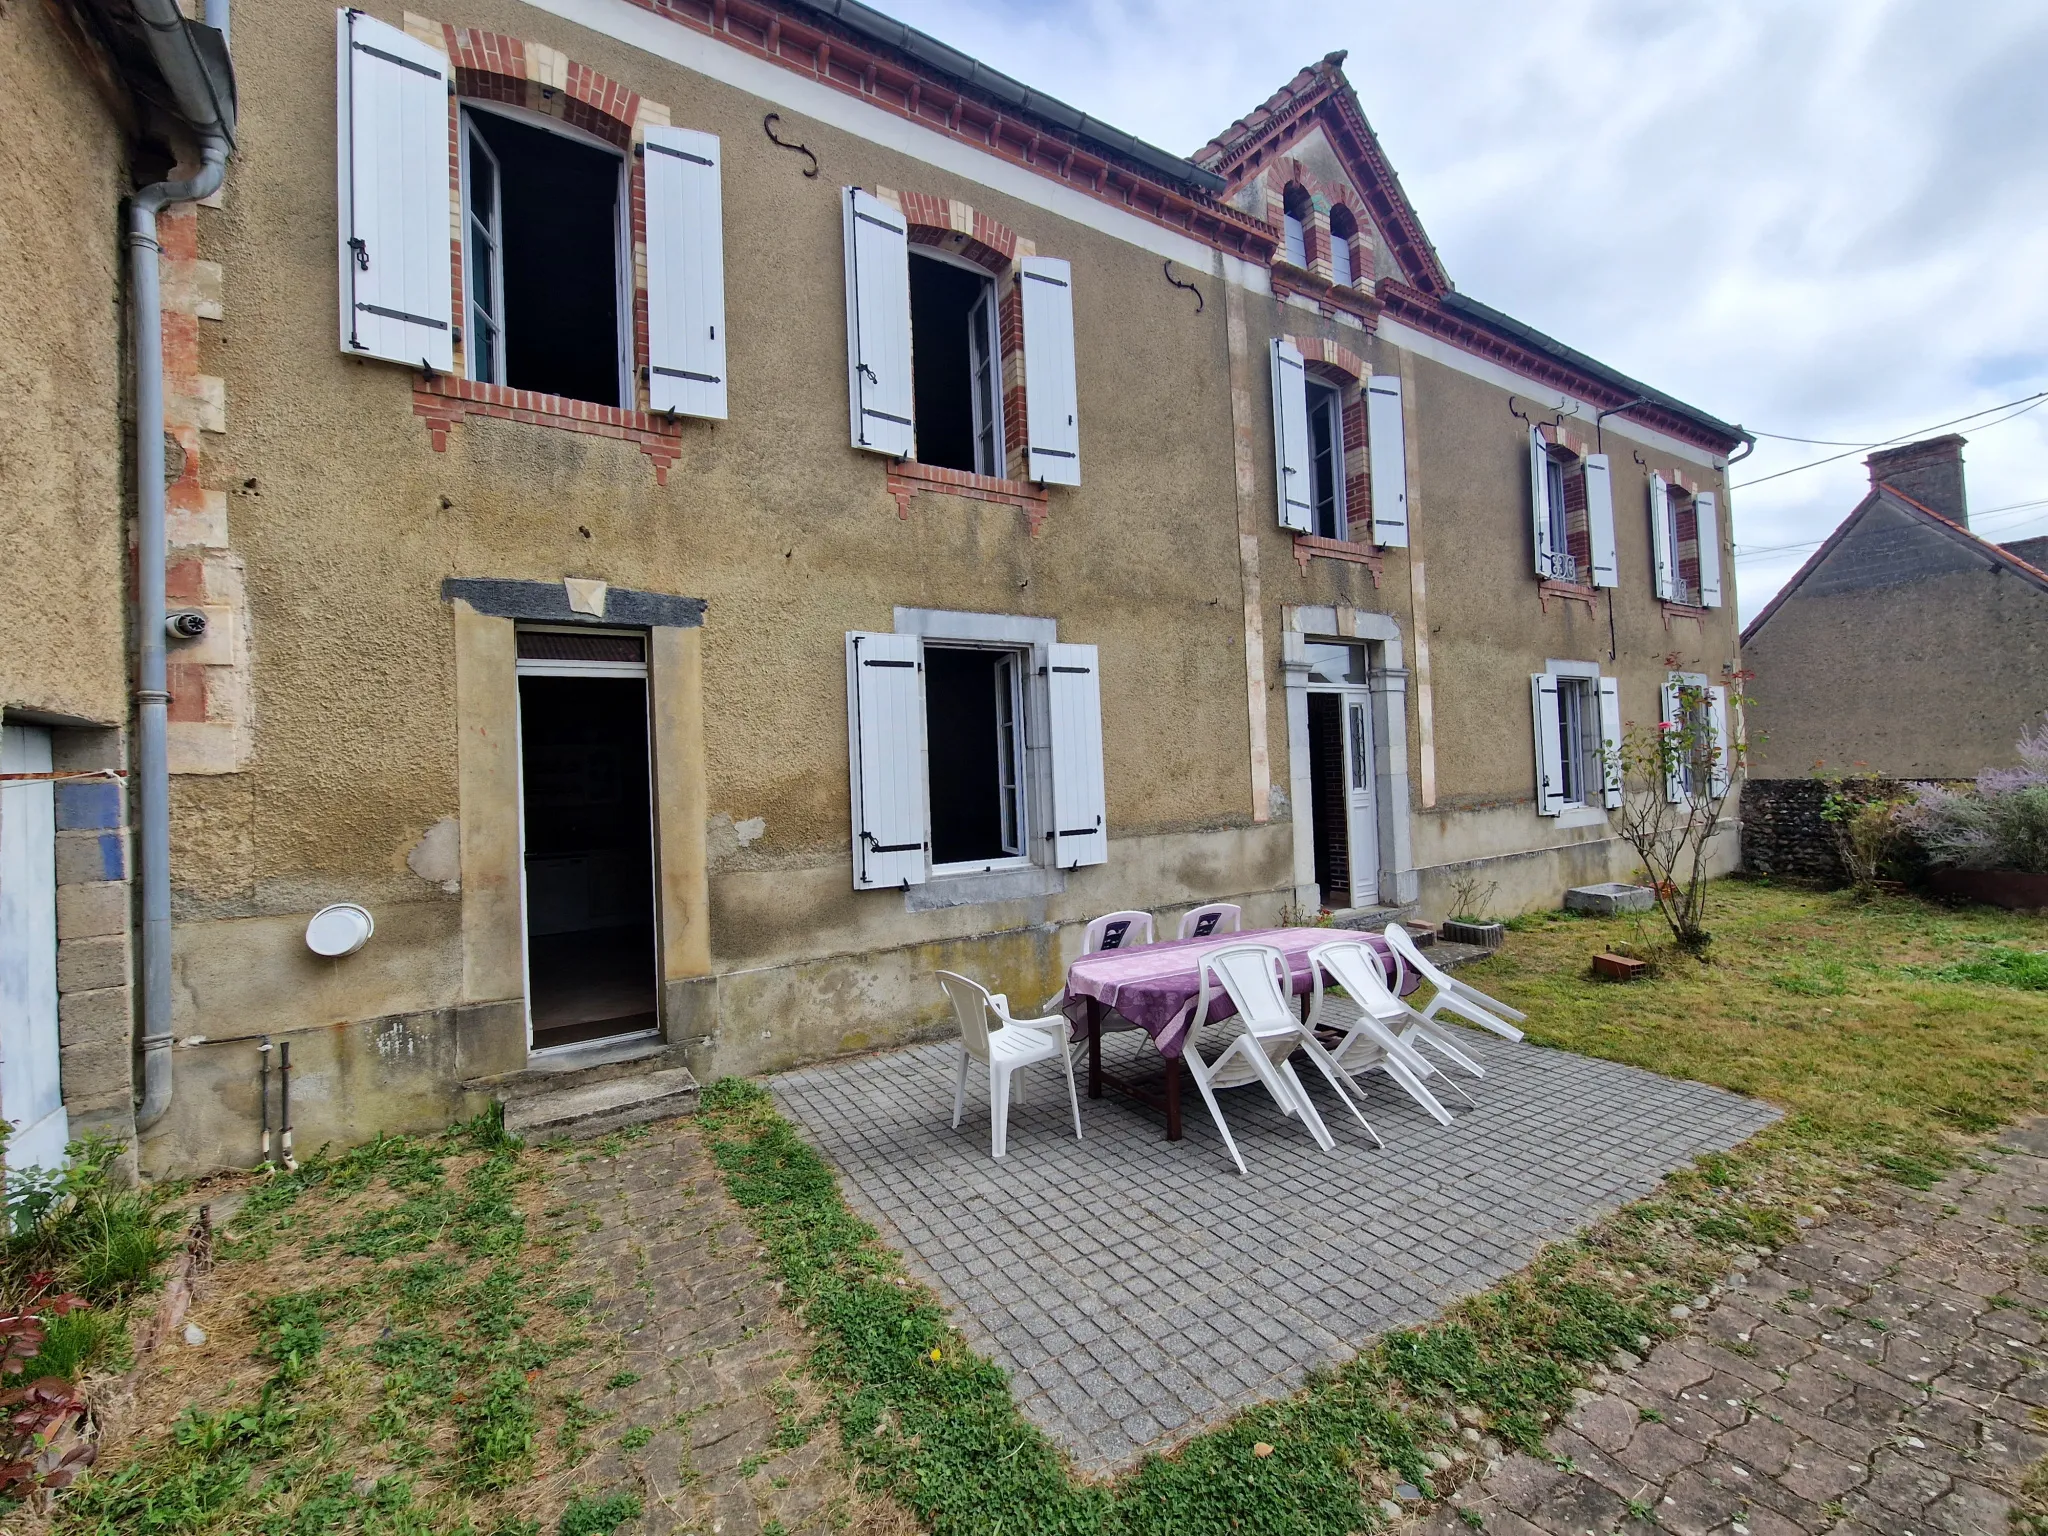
(1685, 543)
(1295, 218)
(1326, 461)
(1343, 230)
(1571, 502)
(544, 276)
(956, 364)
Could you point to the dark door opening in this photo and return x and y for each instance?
(590, 956)
(971, 703)
(1329, 805)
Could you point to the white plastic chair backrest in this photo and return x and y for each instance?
(1355, 966)
(1405, 947)
(1257, 980)
(1117, 930)
(1217, 917)
(971, 1010)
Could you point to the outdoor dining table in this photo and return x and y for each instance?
(1155, 986)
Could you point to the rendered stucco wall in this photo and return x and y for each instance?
(62, 580)
(345, 520)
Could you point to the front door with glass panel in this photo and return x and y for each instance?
(1342, 812)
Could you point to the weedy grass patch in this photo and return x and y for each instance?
(382, 1367)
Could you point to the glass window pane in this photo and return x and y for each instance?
(1297, 243)
(1334, 662)
(1340, 259)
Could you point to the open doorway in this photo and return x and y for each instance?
(586, 815)
(1343, 817)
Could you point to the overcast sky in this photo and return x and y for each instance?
(1824, 220)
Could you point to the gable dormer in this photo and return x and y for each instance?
(1309, 164)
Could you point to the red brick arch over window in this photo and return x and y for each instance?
(490, 66)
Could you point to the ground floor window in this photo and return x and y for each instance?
(974, 754)
(1578, 738)
(976, 748)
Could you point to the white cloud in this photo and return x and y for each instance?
(1827, 218)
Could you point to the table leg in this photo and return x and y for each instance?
(1094, 1048)
(1173, 1098)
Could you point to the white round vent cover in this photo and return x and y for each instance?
(339, 930)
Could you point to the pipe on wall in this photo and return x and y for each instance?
(198, 92)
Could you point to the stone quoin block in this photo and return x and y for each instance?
(92, 909)
(92, 804)
(85, 965)
(90, 1018)
(84, 857)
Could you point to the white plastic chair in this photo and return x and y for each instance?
(1367, 1017)
(1255, 978)
(1217, 917)
(1112, 930)
(1003, 1047)
(1453, 995)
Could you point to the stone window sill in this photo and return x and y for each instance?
(908, 478)
(1310, 546)
(445, 399)
(1290, 279)
(982, 889)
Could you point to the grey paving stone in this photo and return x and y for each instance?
(1215, 1289)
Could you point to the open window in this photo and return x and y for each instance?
(1326, 460)
(544, 275)
(956, 364)
(973, 755)
(1578, 738)
(1697, 711)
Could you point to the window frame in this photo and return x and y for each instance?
(1590, 808)
(1019, 811)
(623, 273)
(992, 430)
(1326, 404)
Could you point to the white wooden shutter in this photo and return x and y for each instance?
(1051, 408)
(1539, 502)
(1549, 745)
(1389, 457)
(1074, 691)
(878, 326)
(1600, 520)
(1610, 740)
(1290, 437)
(1724, 748)
(396, 293)
(886, 750)
(1674, 720)
(1707, 513)
(685, 274)
(1661, 548)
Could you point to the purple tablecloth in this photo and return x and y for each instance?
(1155, 985)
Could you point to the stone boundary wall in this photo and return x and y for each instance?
(1782, 830)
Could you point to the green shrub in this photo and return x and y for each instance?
(2001, 824)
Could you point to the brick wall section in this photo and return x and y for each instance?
(1016, 415)
(443, 401)
(908, 478)
(95, 996)
(1357, 470)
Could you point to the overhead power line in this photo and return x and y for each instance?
(2025, 403)
(1979, 521)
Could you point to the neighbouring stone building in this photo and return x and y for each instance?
(707, 513)
(1907, 646)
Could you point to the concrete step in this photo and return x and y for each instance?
(579, 1066)
(594, 1108)
(1371, 919)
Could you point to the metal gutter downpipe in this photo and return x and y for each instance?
(176, 56)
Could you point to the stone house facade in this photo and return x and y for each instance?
(1906, 647)
(710, 513)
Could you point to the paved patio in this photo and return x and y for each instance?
(1111, 1275)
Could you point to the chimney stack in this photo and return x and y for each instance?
(1929, 472)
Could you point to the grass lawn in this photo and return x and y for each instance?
(409, 1307)
(1884, 1030)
